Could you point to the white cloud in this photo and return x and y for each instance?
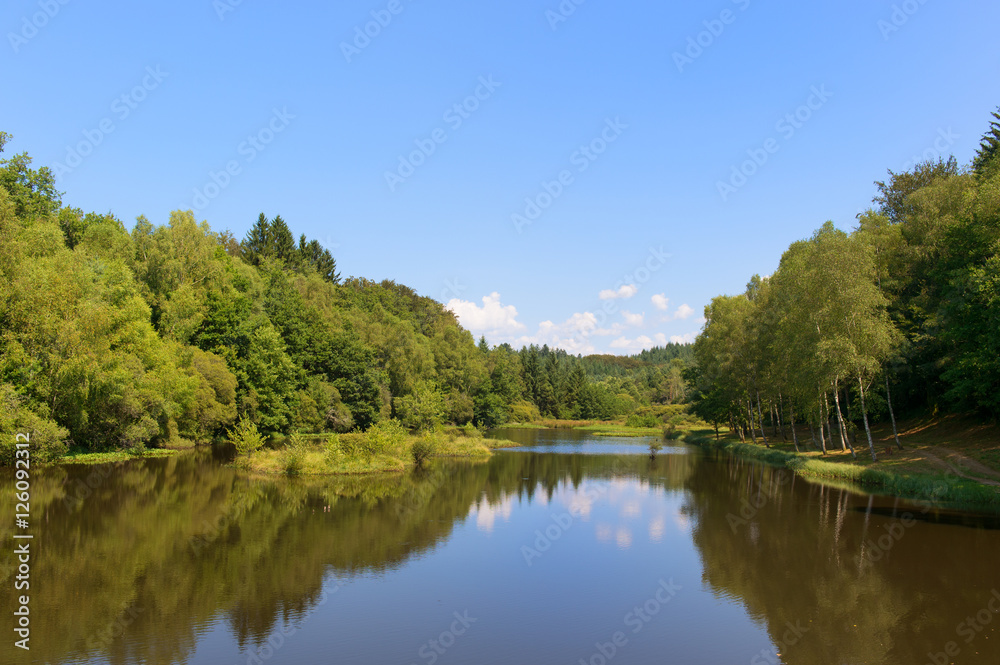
(660, 301)
(633, 319)
(684, 311)
(626, 292)
(571, 335)
(639, 343)
(686, 338)
(492, 317)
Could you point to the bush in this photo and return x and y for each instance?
(524, 412)
(246, 437)
(334, 451)
(470, 431)
(46, 439)
(644, 420)
(294, 454)
(383, 438)
(422, 449)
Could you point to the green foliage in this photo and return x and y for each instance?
(46, 440)
(293, 455)
(644, 420)
(246, 437)
(383, 438)
(334, 451)
(423, 410)
(422, 449)
(986, 156)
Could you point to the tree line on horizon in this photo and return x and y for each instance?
(113, 338)
(902, 314)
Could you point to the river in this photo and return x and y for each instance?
(574, 548)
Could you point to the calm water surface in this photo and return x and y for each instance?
(573, 548)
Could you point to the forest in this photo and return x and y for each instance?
(166, 335)
(901, 315)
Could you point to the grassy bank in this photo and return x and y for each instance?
(84, 457)
(616, 429)
(385, 448)
(906, 475)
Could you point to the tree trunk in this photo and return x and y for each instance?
(781, 420)
(822, 440)
(795, 438)
(829, 428)
(753, 434)
(888, 399)
(840, 419)
(761, 416)
(864, 414)
(847, 400)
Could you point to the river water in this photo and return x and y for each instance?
(574, 548)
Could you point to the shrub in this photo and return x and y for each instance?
(383, 437)
(334, 452)
(246, 437)
(471, 431)
(293, 456)
(524, 412)
(422, 449)
(644, 420)
(46, 439)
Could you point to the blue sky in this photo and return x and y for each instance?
(572, 198)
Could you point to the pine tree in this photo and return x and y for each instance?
(988, 145)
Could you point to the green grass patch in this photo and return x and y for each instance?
(385, 448)
(83, 457)
(612, 429)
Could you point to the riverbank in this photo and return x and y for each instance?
(383, 449)
(595, 427)
(942, 460)
(81, 457)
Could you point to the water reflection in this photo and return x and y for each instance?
(183, 560)
(861, 579)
